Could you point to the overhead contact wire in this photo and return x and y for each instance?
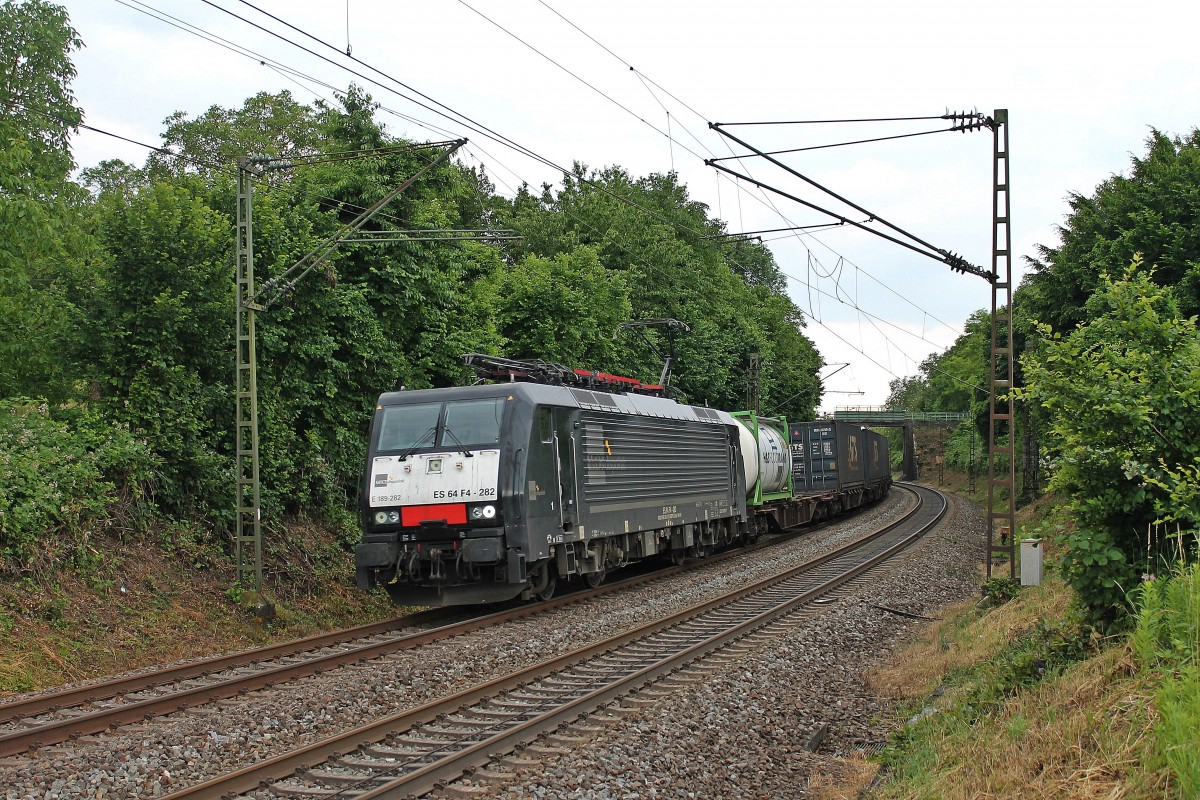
(831, 193)
(828, 121)
(765, 199)
(767, 202)
(836, 144)
(598, 91)
(622, 60)
(477, 126)
(449, 113)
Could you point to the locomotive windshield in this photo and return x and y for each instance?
(473, 422)
(407, 427)
(454, 424)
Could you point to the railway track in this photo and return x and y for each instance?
(55, 717)
(416, 751)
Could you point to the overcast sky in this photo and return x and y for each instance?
(1084, 82)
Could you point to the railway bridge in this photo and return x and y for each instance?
(883, 417)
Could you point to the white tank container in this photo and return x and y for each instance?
(769, 459)
(749, 450)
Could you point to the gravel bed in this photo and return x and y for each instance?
(744, 733)
(168, 753)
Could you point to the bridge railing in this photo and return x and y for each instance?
(884, 414)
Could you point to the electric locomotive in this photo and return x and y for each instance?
(483, 493)
(478, 494)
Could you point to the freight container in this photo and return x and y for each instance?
(828, 456)
(879, 466)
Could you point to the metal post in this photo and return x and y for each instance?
(971, 462)
(753, 373)
(248, 536)
(1001, 531)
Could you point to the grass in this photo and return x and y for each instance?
(150, 600)
(1167, 644)
(1020, 701)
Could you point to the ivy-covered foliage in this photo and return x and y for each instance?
(117, 296)
(1122, 394)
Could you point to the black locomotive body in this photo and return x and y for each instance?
(483, 493)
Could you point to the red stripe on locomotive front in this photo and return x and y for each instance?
(450, 513)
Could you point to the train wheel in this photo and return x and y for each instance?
(678, 556)
(551, 584)
(594, 579)
(543, 581)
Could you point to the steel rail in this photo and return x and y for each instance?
(424, 779)
(193, 669)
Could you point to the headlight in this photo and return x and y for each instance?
(482, 512)
(393, 517)
(380, 517)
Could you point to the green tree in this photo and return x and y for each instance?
(373, 317)
(957, 377)
(1122, 394)
(162, 338)
(791, 387)
(43, 246)
(910, 393)
(35, 76)
(270, 125)
(1155, 212)
(562, 309)
(664, 246)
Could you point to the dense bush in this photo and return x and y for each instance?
(60, 478)
(1122, 394)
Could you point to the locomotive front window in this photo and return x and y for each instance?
(406, 427)
(472, 422)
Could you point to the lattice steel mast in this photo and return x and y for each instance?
(249, 300)
(1001, 432)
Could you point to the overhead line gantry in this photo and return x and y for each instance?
(1001, 528)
